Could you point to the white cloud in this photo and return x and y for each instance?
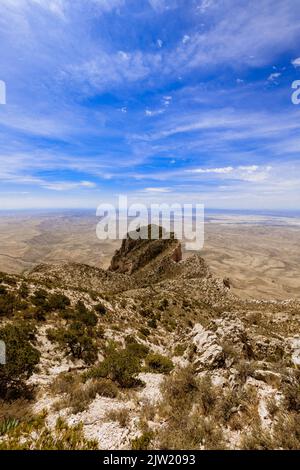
(157, 112)
(68, 185)
(157, 190)
(167, 100)
(224, 170)
(185, 39)
(159, 43)
(296, 62)
(205, 5)
(161, 5)
(250, 173)
(231, 42)
(273, 76)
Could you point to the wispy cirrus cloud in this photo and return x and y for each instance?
(144, 96)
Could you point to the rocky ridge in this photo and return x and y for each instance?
(230, 366)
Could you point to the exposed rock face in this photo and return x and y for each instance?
(177, 254)
(294, 344)
(136, 253)
(209, 353)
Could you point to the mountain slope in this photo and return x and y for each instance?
(153, 353)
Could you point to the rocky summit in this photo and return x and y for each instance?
(153, 353)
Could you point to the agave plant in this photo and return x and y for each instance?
(7, 425)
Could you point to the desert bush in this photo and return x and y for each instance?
(286, 432)
(84, 315)
(188, 405)
(65, 382)
(291, 393)
(256, 439)
(143, 442)
(137, 349)
(158, 363)
(21, 360)
(78, 395)
(152, 323)
(40, 299)
(58, 301)
(120, 366)
(234, 407)
(7, 304)
(145, 331)
(122, 416)
(23, 291)
(179, 390)
(76, 340)
(180, 349)
(105, 388)
(100, 309)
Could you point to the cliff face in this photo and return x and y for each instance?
(135, 254)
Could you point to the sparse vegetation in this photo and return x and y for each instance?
(159, 363)
(121, 366)
(122, 416)
(209, 404)
(77, 340)
(35, 434)
(143, 442)
(21, 360)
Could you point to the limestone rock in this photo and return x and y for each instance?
(209, 352)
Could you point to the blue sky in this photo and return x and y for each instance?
(162, 100)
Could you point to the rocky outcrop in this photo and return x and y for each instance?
(208, 352)
(142, 248)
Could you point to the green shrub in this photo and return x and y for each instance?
(84, 315)
(145, 331)
(78, 396)
(100, 309)
(185, 407)
(291, 393)
(152, 323)
(21, 360)
(76, 340)
(120, 366)
(143, 442)
(7, 304)
(158, 363)
(58, 301)
(40, 299)
(122, 416)
(137, 349)
(24, 290)
(180, 349)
